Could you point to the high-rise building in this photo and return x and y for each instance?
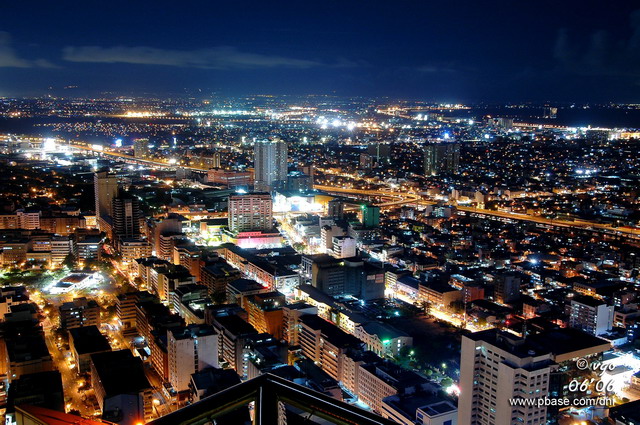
(270, 164)
(495, 368)
(78, 313)
(591, 315)
(370, 216)
(250, 212)
(441, 158)
(105, 185)
(380, 153)
(190, 349)
(126, 217)
(335, 208)
(507, 287)
(141, 148)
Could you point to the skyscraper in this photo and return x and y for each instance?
(270, 164)
(189, 350)
(126, 216)
(141, 148)
(380, 153)
(441, 158)
(250, 212)
(370, 216)
(503, 377)
(496, 367)
(105, 185)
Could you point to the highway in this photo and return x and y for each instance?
(404, 198)
(129, 158)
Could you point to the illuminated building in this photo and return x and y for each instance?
(250, 212)
(591, 315)
(132, 249)
(265, 314)
(383, 339)
(343, 247)
(126, 217)
(190, 349)
(497, 366)
(105, 185)
(141, 148)
(325, 344)
(441, 158)
(229, 178)
(270, 163)
(370, 216)
(78, 313)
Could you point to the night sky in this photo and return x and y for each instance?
(517, 50)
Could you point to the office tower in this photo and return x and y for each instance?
(370, 216)
(335, 208)
(380, 153)
(497, 367)
(126, 217)
(441, 158)
(141, 148)
(190, 349)
(297, 181)
(591, 315)
(507, 287)
(78, 313)
(250, 212)
(270, 163)
(105, 185)
(160, 232)
(366, 161)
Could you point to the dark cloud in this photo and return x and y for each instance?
(210, 58)
(601, 53)
(10, 59)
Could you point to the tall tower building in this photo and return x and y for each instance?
(250, 212)
(270, 164)
(126, 217)
(141, 148)
(370, 216)
(380, 153)
(495, 368)
(441, 158)
(105, 185)
(190, 350)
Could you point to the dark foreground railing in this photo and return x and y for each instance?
(270, 394)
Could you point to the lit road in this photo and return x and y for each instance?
(70, 382)
(403, 198)
(398, 198)
(130, 158)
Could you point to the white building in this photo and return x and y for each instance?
(591, 315)
(495, 368)
(190, 350)
(344, 247)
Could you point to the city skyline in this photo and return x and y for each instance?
(248, 213)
